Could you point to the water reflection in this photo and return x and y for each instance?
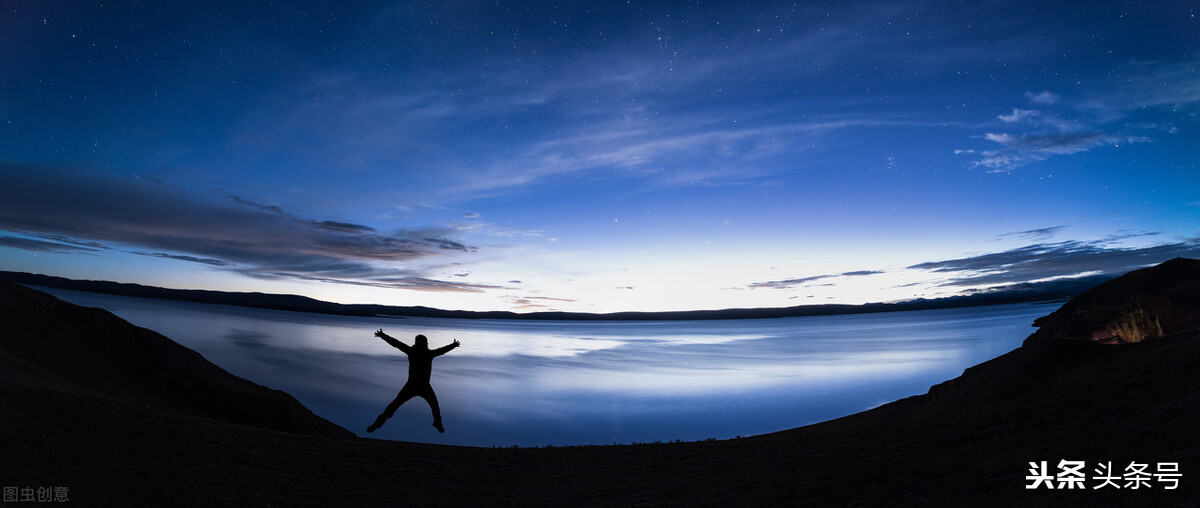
(537, 383)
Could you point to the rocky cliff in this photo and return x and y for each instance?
(1143, 304)
(1151, 312)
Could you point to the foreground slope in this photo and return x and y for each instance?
(91, 351)
(968, 440)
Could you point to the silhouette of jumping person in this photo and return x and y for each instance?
(420, 366)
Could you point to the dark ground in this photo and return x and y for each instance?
(968, 442)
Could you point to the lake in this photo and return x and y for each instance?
(535, 383)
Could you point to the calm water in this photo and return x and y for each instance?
(566, 382)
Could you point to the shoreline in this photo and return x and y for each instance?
(664, 410)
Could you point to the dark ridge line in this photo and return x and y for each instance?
(1029, 293)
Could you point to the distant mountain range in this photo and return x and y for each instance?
(1049, 291)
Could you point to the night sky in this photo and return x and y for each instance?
(598, 156)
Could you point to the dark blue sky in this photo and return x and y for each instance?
(598, 156)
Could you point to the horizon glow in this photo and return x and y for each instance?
(596, 156)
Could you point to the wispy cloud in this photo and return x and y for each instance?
(75, 210)
(1044, 97)
(626, 110)
(407, 282)
(683, 152)
(1052, 260)
(1174, 85)
(1035, 234)
(1124, 234)
(1023, 149)
(35, 245)
(535, 302)
(243, 201)
(1018, 114)
(1069, 125)
(808, 281)
(183, 257)
(493, 230)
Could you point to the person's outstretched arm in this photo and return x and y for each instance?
(446, 349)
(390, 340)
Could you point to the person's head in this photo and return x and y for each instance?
(422, 341)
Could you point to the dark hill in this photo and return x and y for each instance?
(91, 351)
(1077, 340)
(1142, 304)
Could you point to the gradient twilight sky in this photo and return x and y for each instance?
(598, 156)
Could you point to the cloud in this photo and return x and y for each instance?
(614, 114)
(806, 281)
(410, 283)
(71, 244)
(860, 273)
(1020, 150)
(78, 208)
(1044, 97)
(71, 241)
(335, 226)
(1092, 119)
(687, 150)
(1053, 260)
(534, 302)
(494, 230)
(1000, 138)
(547, 298)
(1018, 114)
(342, 227)
(1148, 85)
(1126, 234)
(788, 283)
(181, 257)
(243, 201)
(34, 245)
(1035, 234)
